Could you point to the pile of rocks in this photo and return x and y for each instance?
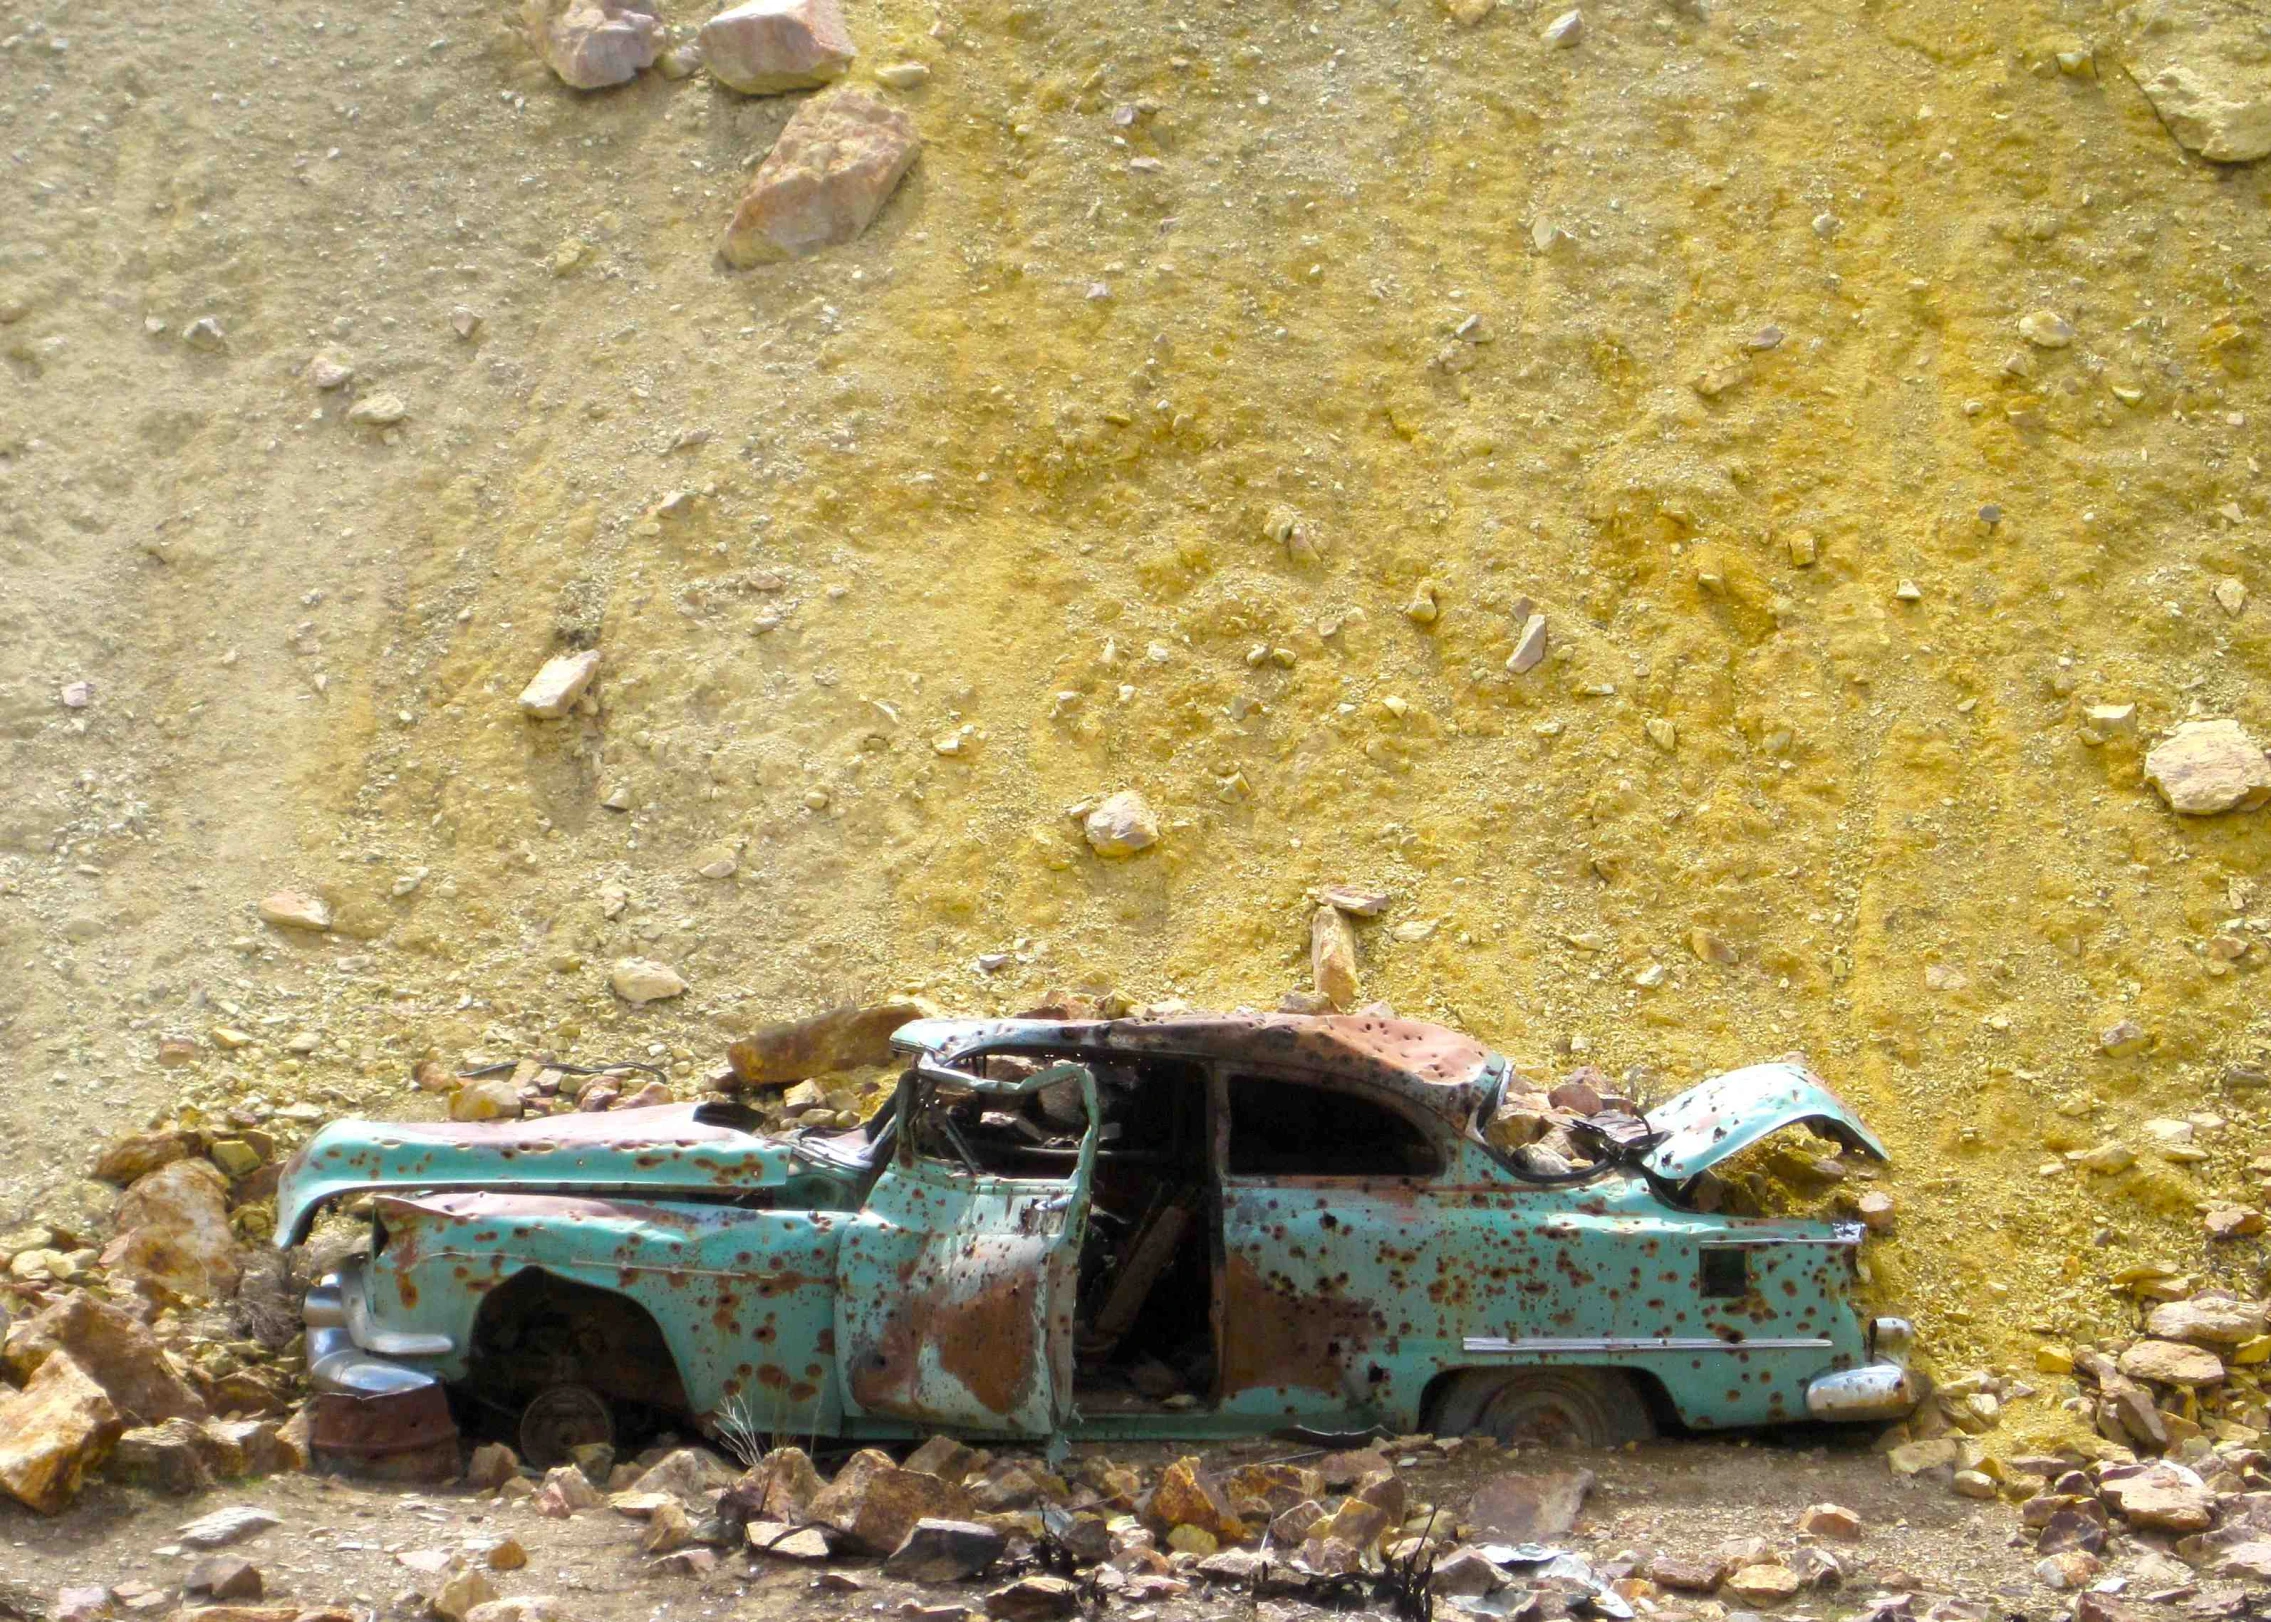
(952, 1513)
(1553, 1131)
(99, 1389)
(831, 169)
(136, 1356)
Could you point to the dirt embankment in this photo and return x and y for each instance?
(1869, 405)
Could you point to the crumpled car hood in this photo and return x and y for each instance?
(654, 1151)
(1729, 1113)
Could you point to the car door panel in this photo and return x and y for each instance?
(956, 1288)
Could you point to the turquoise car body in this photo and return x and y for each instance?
(891, 1282)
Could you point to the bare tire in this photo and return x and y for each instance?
(562, 1418)
(1544, 1407)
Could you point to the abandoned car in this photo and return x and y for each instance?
(1187, 1226)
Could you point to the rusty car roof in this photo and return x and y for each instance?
(1439, 1069)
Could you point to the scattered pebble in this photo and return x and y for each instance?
(378, 410)
(1121, 825)
(2046, 329)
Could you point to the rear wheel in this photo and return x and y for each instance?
(1544, 1407)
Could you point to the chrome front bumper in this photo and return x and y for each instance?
(338, 1364)
(1872, 1391)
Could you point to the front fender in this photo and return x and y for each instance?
(744, 1299)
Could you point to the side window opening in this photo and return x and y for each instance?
(1151, 1109)
(1281, 1128)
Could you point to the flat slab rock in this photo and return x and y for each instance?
(2206, 68)
(226, 1526)
(2205, 767)
(837, 162)
(1530, 1508)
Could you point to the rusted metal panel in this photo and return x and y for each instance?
(956, 1288)
(744, 1299)
(1441, 1071)
(1729, 1113)
(396, 1435)
(659, 1151)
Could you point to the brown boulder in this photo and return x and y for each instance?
(592, 44)
(1185, 1496)
(2209, 1320)
(785, 1485)
(2163, 1497)
(53, 1432)
(837, 161)
(1519, 1508)
(767, 46)
(1686, 1575)
(2171, 1362)
(131, 1158)
(798, 1049)
(114, 1348)
(174, 1231)
(874, 1506)
(170, 1458)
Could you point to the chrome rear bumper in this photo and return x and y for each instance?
(1872, 1391)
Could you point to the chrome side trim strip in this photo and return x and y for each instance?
(1493, 1345)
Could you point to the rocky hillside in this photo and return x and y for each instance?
(1707, 508)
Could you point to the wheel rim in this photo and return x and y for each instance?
(561, 1419)
(1538, 1414)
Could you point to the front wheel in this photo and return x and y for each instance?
(562, 1418)
(1544, 1407)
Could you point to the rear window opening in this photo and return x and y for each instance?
(1294, 1129)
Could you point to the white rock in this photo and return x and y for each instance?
(555, 689)
(329, 372)
(2204, 767)
(903, 75)
(591, 44)
(1565, 30)
(2217, 100)
(835, 165)
(767, 46)
(378, 410)
(1529, 647)
(2046, 329)
(464, 320)
(204, 333)
(77, 695)
(295, 909)
(226, 1526)
(642, 979)
(1121, 825)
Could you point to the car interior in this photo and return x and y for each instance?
(1144, 1336)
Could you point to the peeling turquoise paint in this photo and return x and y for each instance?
(819, 1287)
